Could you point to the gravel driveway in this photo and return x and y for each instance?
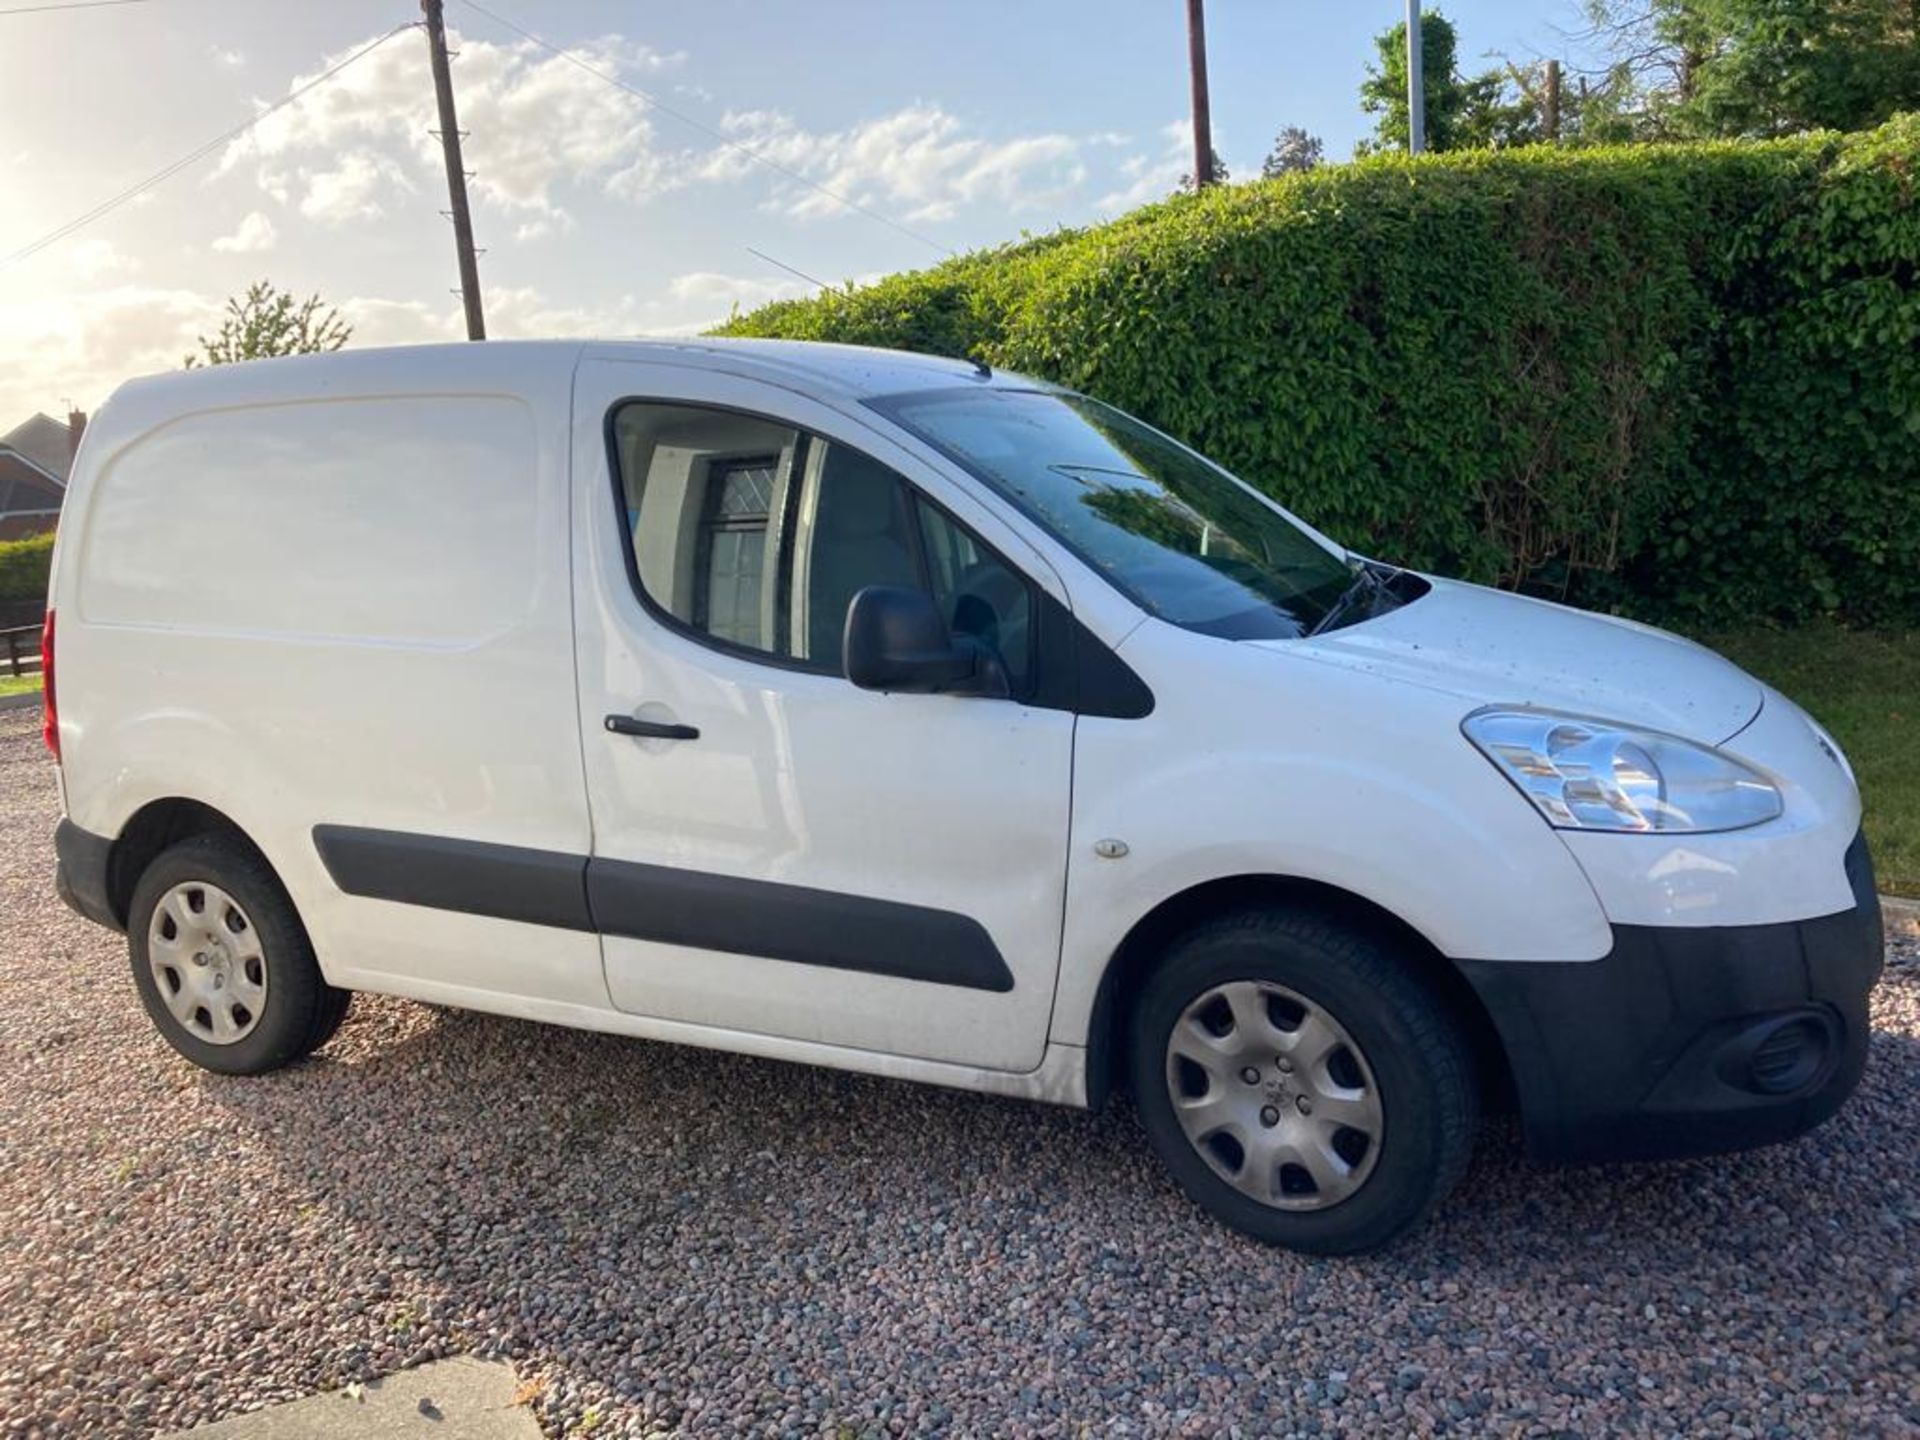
(663, 1239)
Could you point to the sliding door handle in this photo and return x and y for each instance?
(650, 729)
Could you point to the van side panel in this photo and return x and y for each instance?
(347, 610)
(1257, 764)
(377, 521)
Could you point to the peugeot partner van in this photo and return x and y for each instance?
(883, 712)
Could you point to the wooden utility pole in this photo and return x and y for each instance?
(456, 170)
(1551, 108)
(1202, 112)
(1416, 81)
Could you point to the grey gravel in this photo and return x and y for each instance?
(666, 1240)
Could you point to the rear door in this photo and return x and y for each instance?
(776, 852)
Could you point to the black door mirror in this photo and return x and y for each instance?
(897, 640)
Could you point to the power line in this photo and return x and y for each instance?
(734, 145)
(200, 153)
(66, 5)
(762, 255)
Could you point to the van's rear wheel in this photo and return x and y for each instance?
(1301, 1082)
(222, 962)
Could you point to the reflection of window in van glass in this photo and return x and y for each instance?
(709, 501)
(757, 534)
(731, 554)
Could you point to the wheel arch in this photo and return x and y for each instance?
(1146, 943)
(157, 826)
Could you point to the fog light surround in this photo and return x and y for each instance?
(1781, 1054)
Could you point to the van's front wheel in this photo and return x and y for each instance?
(1301, 1082)
(222, 962)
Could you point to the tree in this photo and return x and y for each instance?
(1512, 105)
(266, 322)
(1499, 108)
(1731, 68)
(1507, 107)
(1220, 176)
(1294, 152)
(1384, 91)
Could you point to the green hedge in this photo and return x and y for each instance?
(1679, 380)
(23, 567)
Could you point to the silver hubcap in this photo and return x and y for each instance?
(207, 962)
(1274, 1095)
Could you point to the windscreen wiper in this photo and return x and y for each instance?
(1368, 583)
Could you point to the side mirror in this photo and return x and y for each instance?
(897, 641)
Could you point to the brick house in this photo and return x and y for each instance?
(35, 457)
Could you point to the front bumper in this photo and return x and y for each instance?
(1690, 1041)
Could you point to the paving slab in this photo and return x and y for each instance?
(457, 1399)
(1902, 916)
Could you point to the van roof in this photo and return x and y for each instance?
(846, 369)
(852, 369)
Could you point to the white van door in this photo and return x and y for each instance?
(775, 851)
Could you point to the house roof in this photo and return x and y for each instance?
(44, 441)
(25, 488)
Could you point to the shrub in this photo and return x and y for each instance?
(1682, 380)
(23, 567)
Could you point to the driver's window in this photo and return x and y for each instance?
(757, 536)
(979, 594)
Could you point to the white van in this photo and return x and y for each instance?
(883, 712)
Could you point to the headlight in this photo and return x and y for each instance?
(1591, 775)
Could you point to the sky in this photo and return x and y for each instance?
(949, 126)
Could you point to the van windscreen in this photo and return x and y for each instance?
(1175, 533)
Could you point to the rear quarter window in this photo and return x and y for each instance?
(382, 520)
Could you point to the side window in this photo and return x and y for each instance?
(759, 535)
(853, 533)
(979, 594)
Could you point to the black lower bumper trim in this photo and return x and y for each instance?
(80, 873)
(1691, 1041)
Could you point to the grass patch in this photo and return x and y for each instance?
(1864, 686)
(19, 685)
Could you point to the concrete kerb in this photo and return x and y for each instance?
(456, 1399)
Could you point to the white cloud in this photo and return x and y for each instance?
(77, 341)
(513, 313)
(720, 293)
(533, 120)
(352, 189)
(228, 59)
(254, 235)
(919, 160)
(537, 124)
(78, 344)
(97, 259)
(554, 222)
(1153, 176)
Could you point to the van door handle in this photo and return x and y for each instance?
(650, 729)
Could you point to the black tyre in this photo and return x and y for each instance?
(1301, 1081)
(223, 963)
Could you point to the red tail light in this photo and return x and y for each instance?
(50, 725)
